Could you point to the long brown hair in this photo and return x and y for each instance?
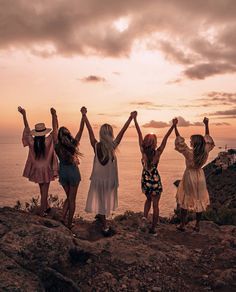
(67, 147)
(199, 152)
(39, 147)
(149, 149)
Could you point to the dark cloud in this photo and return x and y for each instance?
(199, 35)
(201, 71)
(229, 112)
(156, 124)
(175, 54)
(149, 105)
(181, 123)
(224, 98)
(145, 103)
(197, 124)
(93, 79)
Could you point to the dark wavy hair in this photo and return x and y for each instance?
(67, 148)
(149, 149)
(39, 147)
(199, 152)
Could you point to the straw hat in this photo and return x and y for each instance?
(40, 130)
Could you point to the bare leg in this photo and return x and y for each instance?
(44, 197)
(71, 201)
(183, 215)
(198, 219)
(66, 204)
(155, 204)
(104, 221)
(147, 207)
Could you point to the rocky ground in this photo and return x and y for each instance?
(40, 254)
(221, 185)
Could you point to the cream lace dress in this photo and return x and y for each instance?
(192, 191)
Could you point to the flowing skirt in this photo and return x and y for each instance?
(102, 197)
(192, 192)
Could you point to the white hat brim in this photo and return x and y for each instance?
(43, 133)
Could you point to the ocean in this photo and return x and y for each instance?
(14, 187)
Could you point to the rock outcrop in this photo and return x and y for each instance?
(221, 184)
(40, 254)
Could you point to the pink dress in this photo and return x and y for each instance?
(42, 170)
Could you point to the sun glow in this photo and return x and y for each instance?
(121, 24)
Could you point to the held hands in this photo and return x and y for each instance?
(21, 110)
(83, 110)
(53, 111)
(206, 121)
(133, 114)
(175, 122)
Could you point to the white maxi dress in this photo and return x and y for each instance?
(102, 196)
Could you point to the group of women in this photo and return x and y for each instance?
(46, 149)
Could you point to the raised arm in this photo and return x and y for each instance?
(124, 128)
(210, 144)
(206, 123)
(176, 131)
(23, 112)
(140, 136)
(92, 138)
(164, 141)
(54, 125)
(81, 128)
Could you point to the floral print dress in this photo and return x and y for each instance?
(151, 181)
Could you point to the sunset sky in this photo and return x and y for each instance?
(162, 58)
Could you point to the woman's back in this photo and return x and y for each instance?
(107, 171)
(188, 153)
(28, 140)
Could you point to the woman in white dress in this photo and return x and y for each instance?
(102, 195)
(192, 191)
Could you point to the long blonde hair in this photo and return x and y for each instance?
(106, 142)
(199, 150)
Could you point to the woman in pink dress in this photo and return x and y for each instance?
(41, 166)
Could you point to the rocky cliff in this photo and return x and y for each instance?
(40, 254)
(221, 185)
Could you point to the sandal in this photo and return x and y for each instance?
(197, 229)
(108, 232)
(180, 228)
(48, 210)
(152, 231)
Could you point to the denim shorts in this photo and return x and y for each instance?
(69, 174)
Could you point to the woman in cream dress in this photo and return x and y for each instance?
(192, 191)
